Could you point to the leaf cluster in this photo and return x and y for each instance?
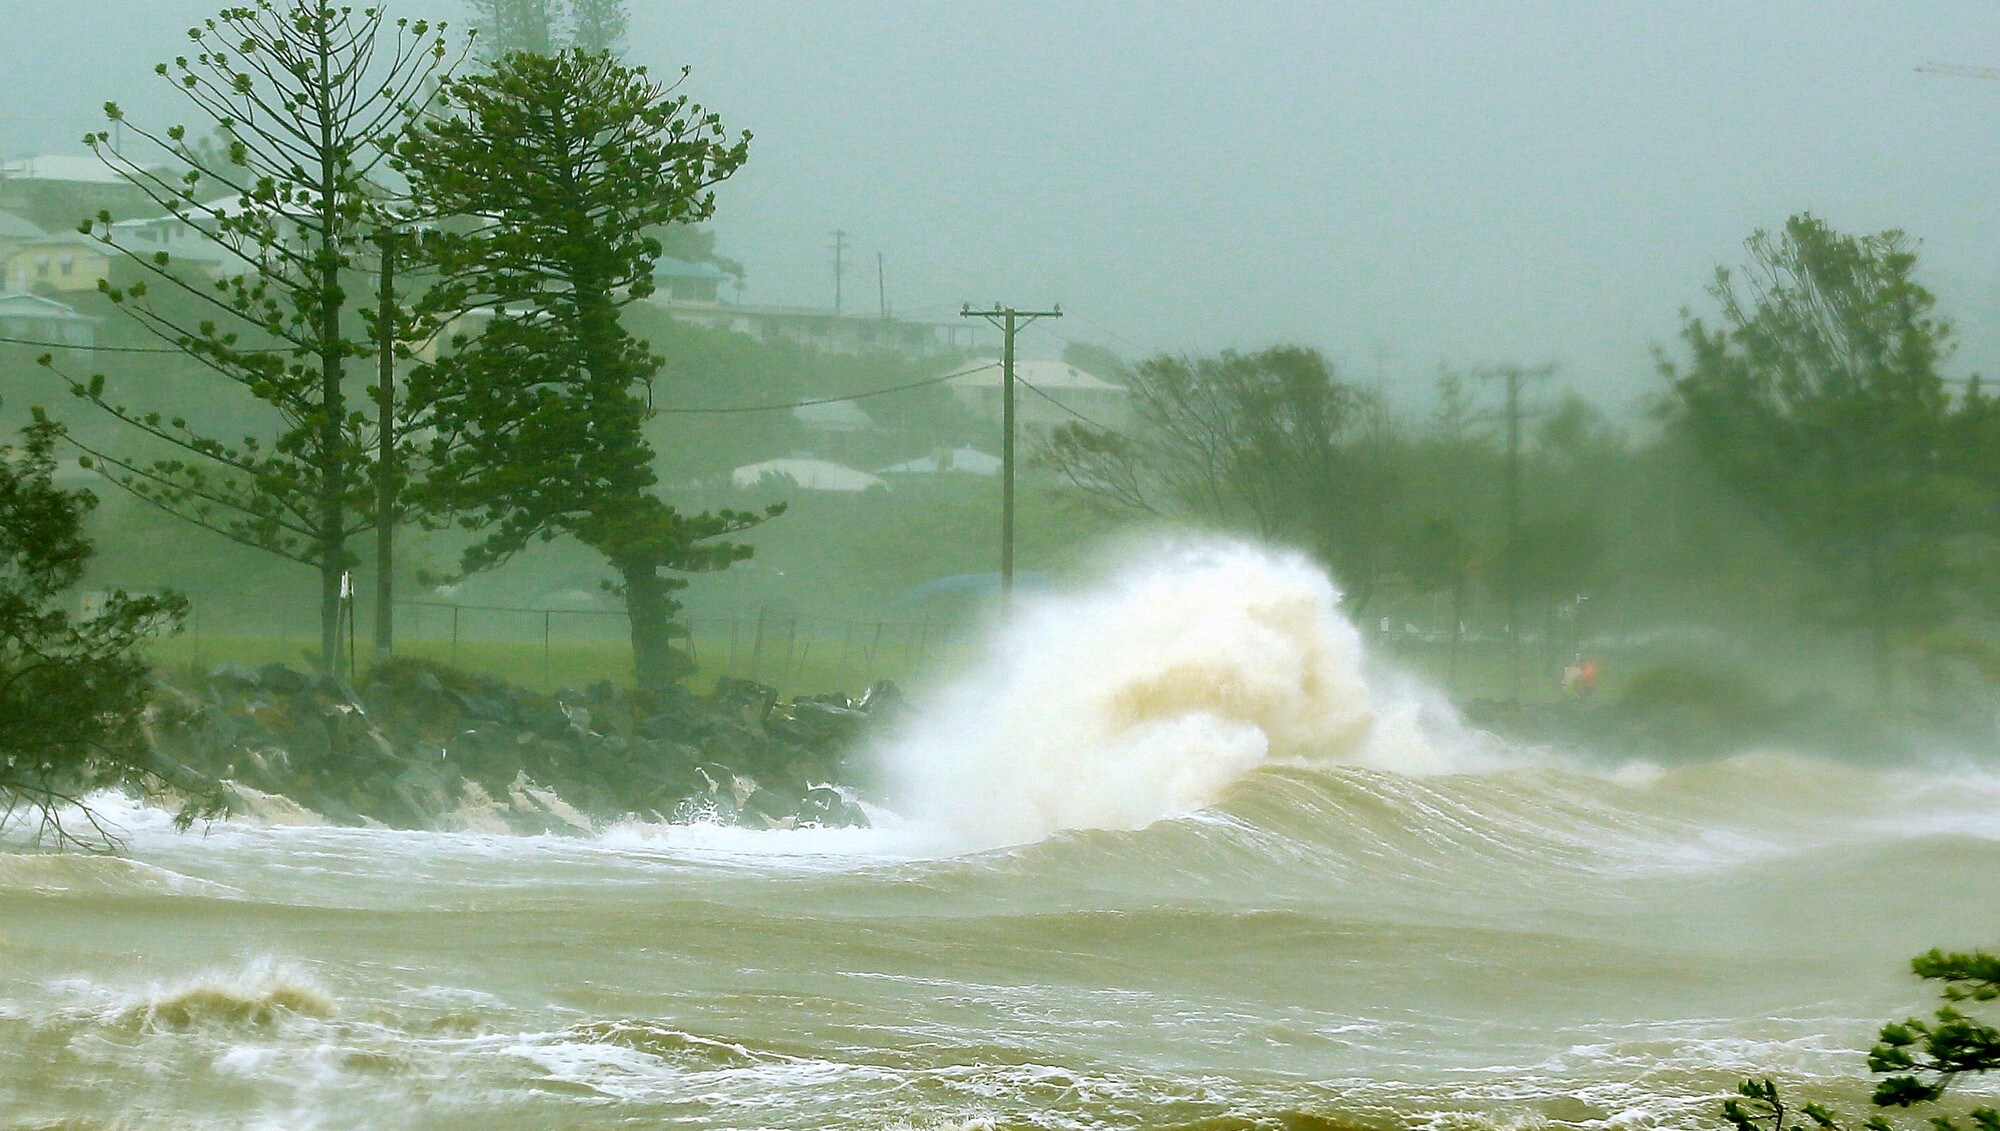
(553, 171)
(300, 94)
(1920, 1059)
(1274, 440)
(73, 691)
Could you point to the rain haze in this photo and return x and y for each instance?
(999, 567)
(1400, 186)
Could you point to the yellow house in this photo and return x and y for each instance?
(64, 264)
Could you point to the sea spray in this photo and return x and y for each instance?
(1146, 695)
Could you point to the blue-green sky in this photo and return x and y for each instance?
(1401, 184)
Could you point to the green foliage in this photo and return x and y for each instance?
(555, 169)
(1920, 1058)
(538, 27)
(508, 26)
(1818, 401)
(1272, 440)
(597, 25)
(300, 95)
(1759, 1107)
(73, 691)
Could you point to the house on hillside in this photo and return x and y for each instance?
(808, 474)
(33, 318)
(692, 292)
(676, 280)
(17, 232)
(61, 264)
(1057, 393)
(191, 252)
(58, 193)
(828, 330)
(964, 460)
(833, 418)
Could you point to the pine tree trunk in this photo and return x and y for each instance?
(331, 347)
(650, 608)
(329, 615)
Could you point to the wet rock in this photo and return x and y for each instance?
(743, 699)
(234, 677)
(823, 806)
(281, 680)
(422, 739)
(883, 698)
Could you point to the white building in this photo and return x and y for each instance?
(807, 474)
(839, 418)
(1057, 393)
(966, 461)
(33, 318)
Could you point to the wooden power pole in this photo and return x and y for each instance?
(1008, 320)
(1510, 563)
(839, 266)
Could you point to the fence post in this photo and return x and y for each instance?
(546, 614)
(694, 653)
(454, 636)
(757, 646)
(791, 636)
(875, 646)
(733, 623)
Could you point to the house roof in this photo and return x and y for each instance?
(73, 240)
(835, 416)
(667, 267)
(969, 460)
(16, 229)
(1039, 373)
(19, 304)
(809, 474)
(62, 167)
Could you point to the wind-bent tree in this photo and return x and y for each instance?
(305, 92)
(1818, 401)
(556, 168)
(1273, 440)
(72, 690)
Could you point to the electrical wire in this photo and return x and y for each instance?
(1067, 409)
(928, 381)
(90, 349)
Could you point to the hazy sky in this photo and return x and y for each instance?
(1400, 184)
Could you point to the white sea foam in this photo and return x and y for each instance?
(1147, 694)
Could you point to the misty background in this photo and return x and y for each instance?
(1455, 183)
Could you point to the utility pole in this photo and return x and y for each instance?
(1008, 320)
(1510, 561)
(839, 268)
(881, 288)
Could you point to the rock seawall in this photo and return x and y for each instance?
(419, 745)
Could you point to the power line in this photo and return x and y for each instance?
(1008, 321)
(91, 349)
(822, 400)
(1087, 420)
(1106, 331)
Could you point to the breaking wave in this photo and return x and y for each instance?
(1150, 693)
